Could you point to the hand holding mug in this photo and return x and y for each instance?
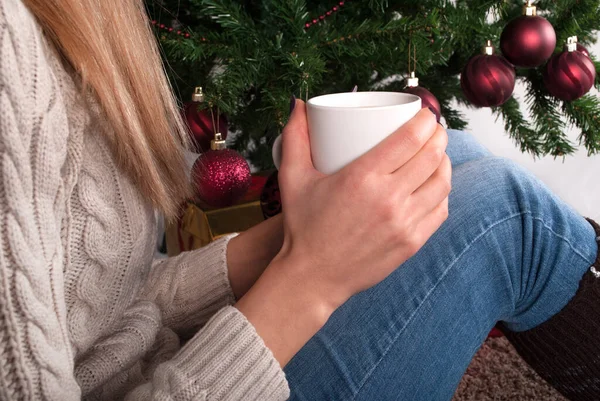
(346, 231)
(375, 212)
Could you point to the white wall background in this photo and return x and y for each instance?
(576, 179)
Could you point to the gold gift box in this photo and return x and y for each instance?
(198, 227)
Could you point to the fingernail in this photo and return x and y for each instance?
(355, 89)
(431, 109)
(292, 103)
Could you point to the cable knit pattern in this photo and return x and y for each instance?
(183, 310)
(35, 345)
(84, 310)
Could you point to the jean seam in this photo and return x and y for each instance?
(450, 266)
(562, 237)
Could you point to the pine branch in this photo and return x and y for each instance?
(547, 119)
(584, 113)
(454, 118)
(252, 55)
(229, 15)
(597, 66)
(518, 128)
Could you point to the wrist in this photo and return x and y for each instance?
(285, 311)
(250, 253)
(314, 280)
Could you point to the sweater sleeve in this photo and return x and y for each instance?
(36, 359)
(226, 360)
(191, 287)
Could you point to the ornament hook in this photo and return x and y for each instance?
(529, 9)
(198, 95)
(413, 81)
(489, 48)
(218, 143)
(572, 43)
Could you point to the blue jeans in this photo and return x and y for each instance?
(510, 251)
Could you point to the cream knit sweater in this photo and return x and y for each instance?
(84, 310)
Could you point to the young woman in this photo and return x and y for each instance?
(310, 305)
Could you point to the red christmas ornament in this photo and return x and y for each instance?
(428, 100)
(529, 40)
(221, 175)
(582, 49)
(571, 74)
(200, 123)
(270, 198)
(488, 80)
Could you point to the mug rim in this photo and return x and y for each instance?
(413, 99)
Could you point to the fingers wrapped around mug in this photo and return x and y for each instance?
(401, 146)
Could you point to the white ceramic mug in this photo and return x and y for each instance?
(344, 126)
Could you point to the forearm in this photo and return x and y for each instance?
(285, 311)
(249, 254)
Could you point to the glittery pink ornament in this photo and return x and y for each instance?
(221, 175)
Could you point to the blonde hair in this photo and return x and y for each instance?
(112, 47)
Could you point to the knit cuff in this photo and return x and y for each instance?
(565, 350)
(229, 360)
(193, 286)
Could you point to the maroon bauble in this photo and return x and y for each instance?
(569, 75)
(582, 49)
(488, 80)
(270, 198)
(201, 128)
(528, 41)
(427, 100)
(222, 177)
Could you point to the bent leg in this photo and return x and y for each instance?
(510, 250)
(463, 147)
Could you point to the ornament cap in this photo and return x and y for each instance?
(529, 9)
(413, 81)
(571, 44)
(218, 143)
(198, 95)
(488, 48)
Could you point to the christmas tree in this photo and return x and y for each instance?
(251, 56)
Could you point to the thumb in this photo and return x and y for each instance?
(296, 142)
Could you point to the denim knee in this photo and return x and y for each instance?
(498, 184)
(547, 244)
(464, 147)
